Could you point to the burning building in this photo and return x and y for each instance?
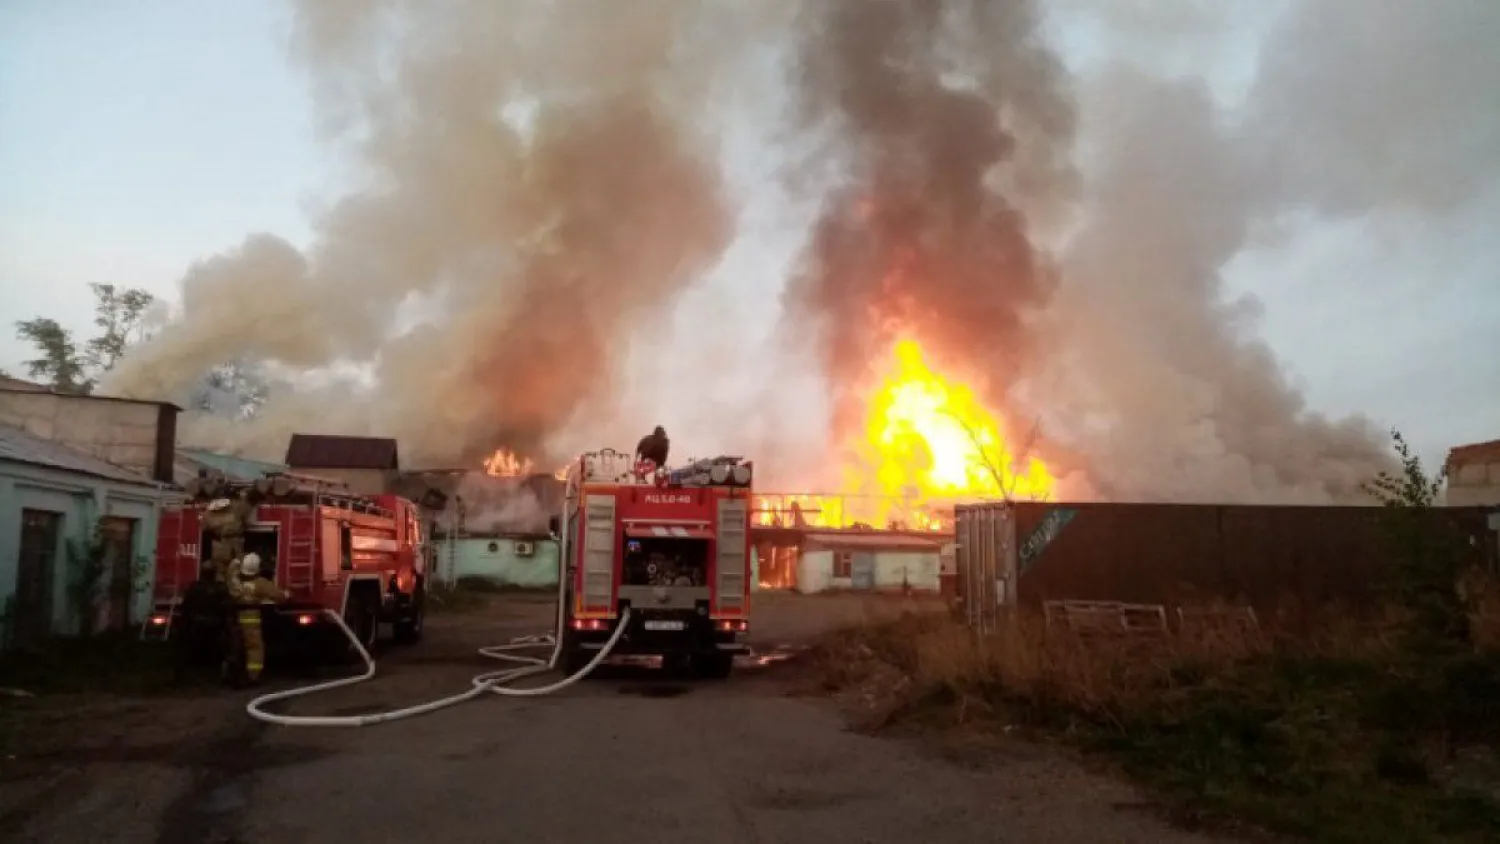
(488, 526)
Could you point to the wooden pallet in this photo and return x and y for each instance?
(1087, 618)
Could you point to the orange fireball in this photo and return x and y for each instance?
(929, 441)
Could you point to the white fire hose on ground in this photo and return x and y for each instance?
(492, 682)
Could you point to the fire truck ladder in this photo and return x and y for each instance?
(301, 545)
(162, 632)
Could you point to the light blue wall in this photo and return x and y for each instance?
(472, 557)
(918, 569)
(81, 499)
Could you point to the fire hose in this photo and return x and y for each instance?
(493, 682)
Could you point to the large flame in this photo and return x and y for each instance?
(505, 463)
(927, 443)
(930, 438)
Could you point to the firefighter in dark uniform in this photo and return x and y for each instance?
(205, 615)
(654, 447)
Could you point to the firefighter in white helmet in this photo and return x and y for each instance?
(252, 589)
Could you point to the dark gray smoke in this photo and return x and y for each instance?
(945, 117)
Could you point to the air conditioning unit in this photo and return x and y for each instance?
(525, 549)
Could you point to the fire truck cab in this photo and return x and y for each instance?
(672, 547)
(360, 556)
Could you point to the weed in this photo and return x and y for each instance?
(1340, 727)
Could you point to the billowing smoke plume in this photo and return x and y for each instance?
(514, 505)
(1157, 378)
(946, 116)
(1146, 376)
(536, 184)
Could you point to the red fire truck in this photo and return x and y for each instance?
(673, 547)
(361, 556)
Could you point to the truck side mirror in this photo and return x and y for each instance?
(554, 527)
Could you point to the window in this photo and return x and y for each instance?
(346, 548)
(843, 564)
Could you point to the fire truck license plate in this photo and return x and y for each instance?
(663, 625)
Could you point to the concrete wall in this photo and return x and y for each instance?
(137, 435)
(81, 500)
(495, 559)
(1474, 485)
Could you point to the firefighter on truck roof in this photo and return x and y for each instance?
(251, 589)
(654, 447)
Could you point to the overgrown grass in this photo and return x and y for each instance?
(1336, 734)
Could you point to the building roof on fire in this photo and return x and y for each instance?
(328, 451)
(20, 446)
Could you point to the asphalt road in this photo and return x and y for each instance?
(627, 757)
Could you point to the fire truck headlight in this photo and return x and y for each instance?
(719, 473)
(742, 475)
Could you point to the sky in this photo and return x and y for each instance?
(138, 137)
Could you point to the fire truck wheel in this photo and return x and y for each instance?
(409, 629)
(573, 658)
(363, 619)
(716, 666)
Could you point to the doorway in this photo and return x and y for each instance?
(41, 534)
(118, 536)
(264, 541)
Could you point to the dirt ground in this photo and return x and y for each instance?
(624, 756)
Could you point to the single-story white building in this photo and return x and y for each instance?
(873, 561)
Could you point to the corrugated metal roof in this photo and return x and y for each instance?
(326, 451)
(1485, 452)
(189, 461)
(21, 447)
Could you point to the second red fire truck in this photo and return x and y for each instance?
(672, 547)
(360, 556)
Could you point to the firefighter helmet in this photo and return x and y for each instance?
(250, 565)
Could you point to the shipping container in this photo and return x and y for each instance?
(1272, 558)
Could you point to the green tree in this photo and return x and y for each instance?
(118, 314)
(1426, 563)
(61, 364)
(58, 362)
